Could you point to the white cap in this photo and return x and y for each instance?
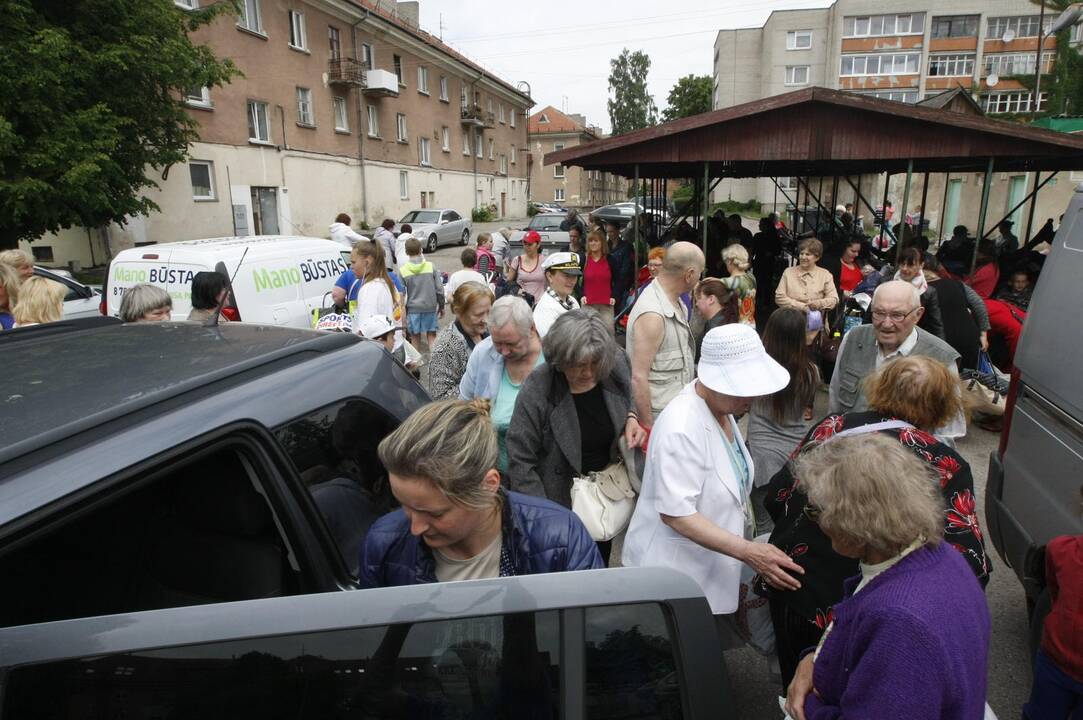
(733, 362)
(375, 327)
(566, 262)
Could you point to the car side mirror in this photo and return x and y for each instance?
(443, 222)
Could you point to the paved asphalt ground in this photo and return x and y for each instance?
(1009, 665)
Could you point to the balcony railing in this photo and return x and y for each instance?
(477, 117)
(345, 71)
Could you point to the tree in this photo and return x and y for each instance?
(1065, 84)
(690, 96)
(90, 107)
(631, 107)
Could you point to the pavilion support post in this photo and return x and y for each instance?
(835, 193)
(944, 207)
(981, 214)
(785, 194)
(1021, 203)
(1033, 202)
(883, 210)
(905, 206)
(774, 205)
(924, 199)
(635, 236)
(859, 198)
(706, 195)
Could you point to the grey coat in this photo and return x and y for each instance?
(544, 442)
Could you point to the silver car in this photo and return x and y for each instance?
(435, 227)
(80, 300)
(553, 239)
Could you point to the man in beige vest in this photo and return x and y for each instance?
(659, 338)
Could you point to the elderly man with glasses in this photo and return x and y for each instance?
(896, 309)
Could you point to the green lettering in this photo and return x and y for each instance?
(263, 282)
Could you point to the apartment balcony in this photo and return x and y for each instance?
(345, 71)
(381, 83)
(476, 117)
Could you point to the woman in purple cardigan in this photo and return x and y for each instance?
(910, 638)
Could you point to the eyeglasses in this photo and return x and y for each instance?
(895, 317)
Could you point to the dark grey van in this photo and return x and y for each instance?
(1032, 494)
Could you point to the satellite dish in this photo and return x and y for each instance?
(1009, 35)
(992, 80)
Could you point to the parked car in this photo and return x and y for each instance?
(80, 300)
(548, 226)
(436, 227)
(1034, 477)
(624, 212)
(277, 280)
(548, 207)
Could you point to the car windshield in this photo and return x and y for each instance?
(421, 216)
(545, 222)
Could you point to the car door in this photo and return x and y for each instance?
(594, 644)
(446, 233)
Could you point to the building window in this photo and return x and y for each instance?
(304, 107)
(544, 119)
(1021, 26)
(558, 171)
(466, 142)
(396, 61)
(479, 144)
(297, 30)
(500, 115)
(797, 74)
(202, 174)
(489, 105)
(795, 40)
(200, 96)
(491, 145)
(423, 151)
(462, 97)
(903, 96)
(897, 64)
(951, 65)
(558, 194)
(512, 118)
(334, 42)
(504, 164)
(949, 26)
(443, 88)
(258, 128)
(423, 80)
(249, 17)
(558, 146)
(374, 121)
(366, 56)
(342, 116)
(1007, 64)
(400, 127)
(1012, 102)
(445, 139)
(512, 153)
(879, 25)
(404, 185)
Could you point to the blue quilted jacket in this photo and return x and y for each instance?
(539, 537)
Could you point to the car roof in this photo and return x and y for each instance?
(59, 384)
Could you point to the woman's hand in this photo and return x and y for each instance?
(984, 341)
(799, 688)
(770, 562)
(813, 305)
(634, 434)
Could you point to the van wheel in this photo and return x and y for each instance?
(431, 245)
(465, 238)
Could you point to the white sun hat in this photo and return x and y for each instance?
(733, 362)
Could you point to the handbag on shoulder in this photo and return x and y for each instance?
(604, 500)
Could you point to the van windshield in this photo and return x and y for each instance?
(421, 216)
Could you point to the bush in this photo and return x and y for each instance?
(531, 209)
(483, 214)
(752, 208)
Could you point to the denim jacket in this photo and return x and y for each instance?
(483, 372)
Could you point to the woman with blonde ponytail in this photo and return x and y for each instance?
(456, 522)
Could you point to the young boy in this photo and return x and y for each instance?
(468, 258)
(424, 294)
(1018, 290)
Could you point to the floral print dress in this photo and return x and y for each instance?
(797, 534)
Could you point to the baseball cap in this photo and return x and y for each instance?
(565, 262)
(734, 362)
(531, 236)
(375, 327)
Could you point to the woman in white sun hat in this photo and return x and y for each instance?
(694, 512)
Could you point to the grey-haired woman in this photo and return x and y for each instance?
(572, 411)
(146, 303)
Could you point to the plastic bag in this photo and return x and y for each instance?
(754, 612)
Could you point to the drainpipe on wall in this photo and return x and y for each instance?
(362, 125)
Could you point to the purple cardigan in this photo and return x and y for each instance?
(912, 644)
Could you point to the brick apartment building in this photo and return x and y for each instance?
(549, 129)
(345, 106)
(907, 52)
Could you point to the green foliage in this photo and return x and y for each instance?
(485, 213)
(531, 209)
(1065, 85)
(90, 107)
(630, 106)
(690, 96)
(752, 208)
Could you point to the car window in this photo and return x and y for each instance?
(71, 292)
(483, 667)
(196, 529)
(631, 671)
(453, 216)
(334, 452)
(421, 216)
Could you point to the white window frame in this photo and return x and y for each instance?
(798, 40)
(794, 71)
(852, 25)
(513, 153)
(1012, 101)
(489, 105)
(251, 16)
(443, 88)
(466, 142)
(464, 102)
(203, 101)
(400, 128)
(558, 195)
(367, 58)
(479, 144)
(374, 121)
(512, 118)
(424, 156)
(500, 114)
(445, 139)
(259, 120)
(1006, 64)
(399, 68)
(404, 185)
(903, 95)
(492, 146)
(558, 171)
(298, 37)
(504, 164)
(334, 42)
(210, 175)
(422, 80)
(341, 112)
(951, 65)
(306, 114)
(879, 59)
(1024, 26)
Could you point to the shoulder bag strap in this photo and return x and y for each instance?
(872, 427)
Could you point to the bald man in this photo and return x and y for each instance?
(659, 338)
(896, 309)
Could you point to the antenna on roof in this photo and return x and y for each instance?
(441, 27)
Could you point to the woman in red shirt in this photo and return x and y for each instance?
(850, 275)
(598, 278)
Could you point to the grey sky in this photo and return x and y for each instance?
(563, 48)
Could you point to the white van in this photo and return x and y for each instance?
(277, 280)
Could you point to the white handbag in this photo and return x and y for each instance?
(604, 501)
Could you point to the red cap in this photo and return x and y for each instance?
(531, 236)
